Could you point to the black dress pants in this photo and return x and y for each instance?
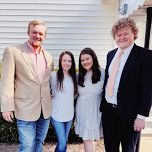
(117, 132)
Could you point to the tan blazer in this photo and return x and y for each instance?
(21, 90)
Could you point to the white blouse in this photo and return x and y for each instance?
(63, 100)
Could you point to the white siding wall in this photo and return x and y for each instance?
(72, 24)
(141, 24)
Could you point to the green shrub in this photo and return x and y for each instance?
(9, 133)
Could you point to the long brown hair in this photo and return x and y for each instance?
(95, 67)
(72, 72)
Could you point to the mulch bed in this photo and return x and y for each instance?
(49, 147)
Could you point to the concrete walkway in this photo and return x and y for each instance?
(146, 144)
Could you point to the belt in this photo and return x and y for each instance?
(112, 105)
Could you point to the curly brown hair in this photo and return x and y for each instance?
(122, 23)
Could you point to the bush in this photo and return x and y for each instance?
(9, 133)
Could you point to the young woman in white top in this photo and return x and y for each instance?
(90, 84)
(64, 87)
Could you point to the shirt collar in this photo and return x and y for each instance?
(33, 50)
(127, 50)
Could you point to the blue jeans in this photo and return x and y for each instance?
(62, 130)
(32, 134)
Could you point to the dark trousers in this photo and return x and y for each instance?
(117, 132)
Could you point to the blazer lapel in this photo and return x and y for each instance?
(111, 56)
(48, 60)
(128, 65)
(48, 66)
(28, 60)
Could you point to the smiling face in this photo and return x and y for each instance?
(124, 37)
(66, 62)
(37, 35)
(86, 61)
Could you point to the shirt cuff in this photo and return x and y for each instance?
(141, 117)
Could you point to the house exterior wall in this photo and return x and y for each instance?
(141, 24)
(72, 25)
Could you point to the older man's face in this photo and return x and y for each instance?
(124, 38)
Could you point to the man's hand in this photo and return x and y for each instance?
(8, 116)
(139, 124)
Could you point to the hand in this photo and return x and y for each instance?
(8, 116)
(139, 124)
